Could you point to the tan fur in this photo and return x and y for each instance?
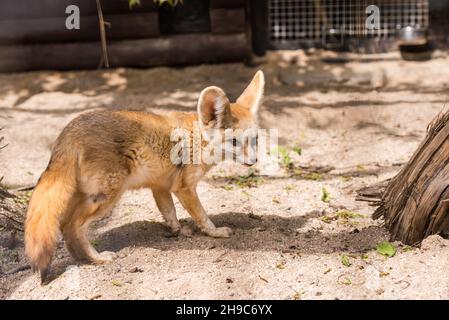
(100, 155)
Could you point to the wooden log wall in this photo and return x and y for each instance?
(227, 16)
(33, 36)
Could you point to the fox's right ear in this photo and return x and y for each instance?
(213, 108)
(253, 94)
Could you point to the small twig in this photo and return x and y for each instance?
(18, 269)
(102, 23)
(219, 259)
(24, 188)
(1, 140)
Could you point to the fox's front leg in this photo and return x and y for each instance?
(190, 201)
(164, 202)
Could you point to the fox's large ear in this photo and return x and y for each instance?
(214, 110)
(253, 94)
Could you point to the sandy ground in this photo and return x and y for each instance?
(362, 119)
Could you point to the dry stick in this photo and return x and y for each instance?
(1, 140)
(18, 269)
(104, 47)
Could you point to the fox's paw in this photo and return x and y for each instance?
(105, 257)
(186, 231)
(222, 232)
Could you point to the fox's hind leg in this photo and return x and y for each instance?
(74, 229)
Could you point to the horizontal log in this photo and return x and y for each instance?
(180, 50)
(27, 9)
(122, 26)
(228, 3)
(227, 20)
(58, 56)
(172, 50)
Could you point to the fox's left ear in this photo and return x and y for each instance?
(253, 94)
(213, 108)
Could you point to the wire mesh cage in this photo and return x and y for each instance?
(338, 23)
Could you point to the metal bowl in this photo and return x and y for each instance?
(332, 38)
(412, 36)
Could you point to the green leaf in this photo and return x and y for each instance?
(171, 3)
(315, 176)
(407, 249)
(345, 260)
(116, 283)
(347, 214)
(286, 160)
(280, 265)
(325, 195)
(133, 3)
(386, 249)
(297, 149)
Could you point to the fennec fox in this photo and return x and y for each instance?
(100, 155)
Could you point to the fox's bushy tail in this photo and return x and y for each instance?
(48, 202)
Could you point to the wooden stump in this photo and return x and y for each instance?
(415, 202)
(11, 213)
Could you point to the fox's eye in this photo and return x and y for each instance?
(234, 142)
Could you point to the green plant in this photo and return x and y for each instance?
(250, 180)
(24, 198)
(116, 283)
(315, 176)
(343, 215)
(345, 260)
(348, 214)
(325, 195)
(286, 160)
(386, 249)
(297, 149)
(172, 3)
